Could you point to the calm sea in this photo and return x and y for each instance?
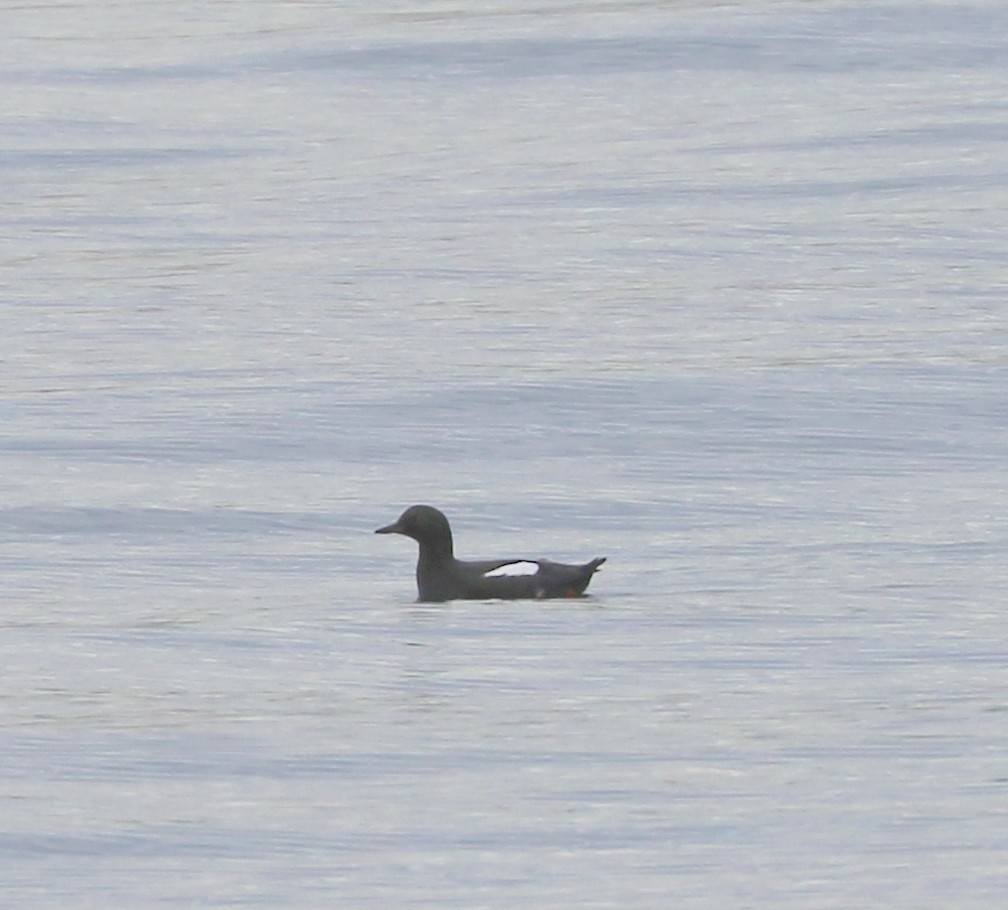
(715, 289)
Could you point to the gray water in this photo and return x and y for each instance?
(714, 289)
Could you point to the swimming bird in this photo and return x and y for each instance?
(440, 576)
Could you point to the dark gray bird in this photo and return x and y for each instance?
(440, 576)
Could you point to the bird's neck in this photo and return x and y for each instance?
(441, 550)
(437, 552)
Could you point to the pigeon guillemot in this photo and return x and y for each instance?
(440, 576)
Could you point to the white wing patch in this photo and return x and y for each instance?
(512, 569)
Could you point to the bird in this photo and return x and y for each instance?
(440, 576)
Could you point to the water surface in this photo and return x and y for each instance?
(715, 290)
